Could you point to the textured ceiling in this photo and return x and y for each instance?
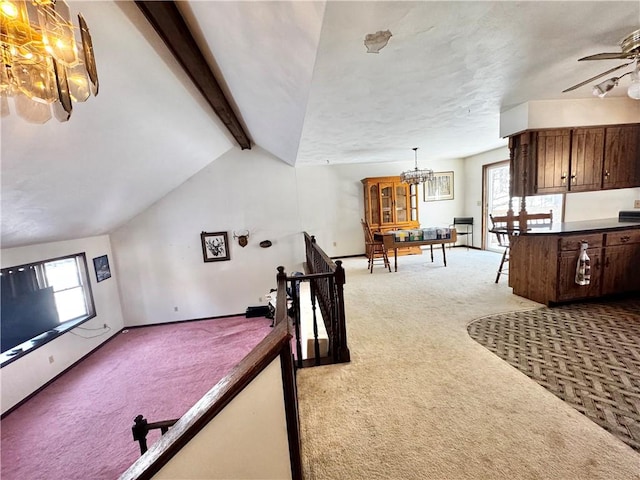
(304, 87)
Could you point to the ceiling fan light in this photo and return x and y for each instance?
(601, 89)
(634, 90)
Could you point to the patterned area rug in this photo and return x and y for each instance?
(587, 354)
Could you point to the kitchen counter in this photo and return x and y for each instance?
(585, 226)
(542, 261)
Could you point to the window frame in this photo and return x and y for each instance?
(32, 344)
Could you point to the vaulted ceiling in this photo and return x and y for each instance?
(304, 88)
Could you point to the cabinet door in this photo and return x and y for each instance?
(622, 157)
(401, 199)
(386, 203)
(620, 270)
(587, 151)
(567, 287)
(373, 201)
(552, 161)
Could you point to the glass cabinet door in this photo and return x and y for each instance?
(401, 203)
(374, 204)
(386, 203)
(413, 200)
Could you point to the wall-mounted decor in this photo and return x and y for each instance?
(242, 236)
(101, 265)
(215, 246)
(440, 187)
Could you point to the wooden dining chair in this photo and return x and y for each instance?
(501, 228)
(538, 220)
(374, 248)
(505, 226)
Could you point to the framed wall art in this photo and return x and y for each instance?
(215, 246)
(440, 187)
(101, 266)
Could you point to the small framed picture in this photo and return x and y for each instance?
(215, 246)
(101, 265)
(440, 187)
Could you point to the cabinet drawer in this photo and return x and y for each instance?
(573, 242)
(624, 237)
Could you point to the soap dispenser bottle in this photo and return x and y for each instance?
(583, 268)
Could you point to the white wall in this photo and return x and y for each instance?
(331, 200)
(594, 205)
(159, 255)
(28, 373)
(569, 113)
(246, 440)
(473, 187)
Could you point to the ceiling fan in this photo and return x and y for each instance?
(630, 50)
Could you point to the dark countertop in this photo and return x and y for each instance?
(585, 226)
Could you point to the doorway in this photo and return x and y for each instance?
(497, 199)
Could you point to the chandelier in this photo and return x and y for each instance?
(41, 68)
(416, 176)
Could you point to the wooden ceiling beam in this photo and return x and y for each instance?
(168, 22)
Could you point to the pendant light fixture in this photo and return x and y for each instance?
(416, 176)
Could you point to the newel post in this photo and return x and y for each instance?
(281, 297)
(343, 349)
(140, 430)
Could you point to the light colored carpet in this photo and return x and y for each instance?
(422, 400)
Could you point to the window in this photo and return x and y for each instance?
(65, 278)
(42, 300)
(497, 195)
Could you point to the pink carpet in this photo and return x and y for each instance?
(79, 427)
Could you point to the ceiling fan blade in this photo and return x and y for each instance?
(608, 56)
(597, 77)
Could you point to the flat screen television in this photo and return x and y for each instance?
(27, 316)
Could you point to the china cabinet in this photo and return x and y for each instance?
(390, 204)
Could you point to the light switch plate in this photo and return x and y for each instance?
(636, 204)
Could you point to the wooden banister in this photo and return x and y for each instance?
(141, 429)
(277, 343)
(327, 281)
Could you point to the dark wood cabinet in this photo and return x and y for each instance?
(543, 267)
(579, 159)
(621, 262)
(587, 154)
(621, 157)
(567, 289)
(551, 163)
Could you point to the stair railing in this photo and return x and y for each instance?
(275, 348)
(326, 280)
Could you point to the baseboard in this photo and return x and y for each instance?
(187, 320)
(42, 387)
(472, 247)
